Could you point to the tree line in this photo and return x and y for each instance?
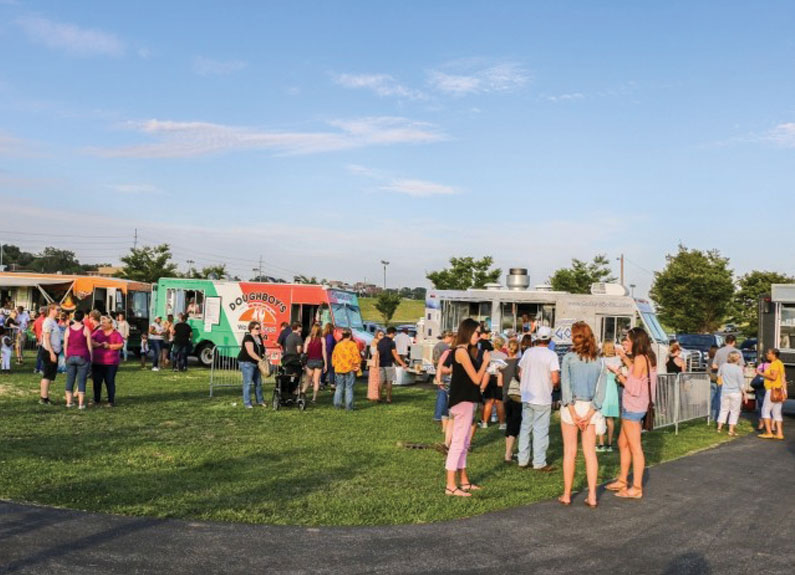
(696, 291)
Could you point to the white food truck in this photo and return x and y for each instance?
(608, 309)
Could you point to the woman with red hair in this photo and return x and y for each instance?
(582, 377)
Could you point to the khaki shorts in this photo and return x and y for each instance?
(388, 374)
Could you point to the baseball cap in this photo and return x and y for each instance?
(544, 333)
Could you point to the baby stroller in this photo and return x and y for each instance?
(288, 379)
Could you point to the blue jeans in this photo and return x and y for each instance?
(714, 401)
(155, 345)
(535, 420)
(124, 351)
(180, 356)
(441, 405)
(344, 381)
(76, 368)
(251, 375)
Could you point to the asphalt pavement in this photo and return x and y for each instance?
(728, 510)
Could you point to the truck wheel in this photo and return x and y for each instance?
(205, 354)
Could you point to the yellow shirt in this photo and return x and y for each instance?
(345, 357)
(778, 367)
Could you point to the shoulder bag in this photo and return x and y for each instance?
(648, 422)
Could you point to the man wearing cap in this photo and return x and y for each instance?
(539, 373)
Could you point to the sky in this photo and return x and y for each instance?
(324, 137)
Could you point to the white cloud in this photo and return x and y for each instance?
(782, 135)
(472, 77)
(570, 97)
(193, 139)
(408, 186)
(381, 84)
(135, 189)
(419, 188)
(210, 67)
(71, 38)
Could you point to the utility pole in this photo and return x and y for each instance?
(190, 265)
(621, 259)
(260, 267)
(135, 239)
(385, 263)
(632, 287)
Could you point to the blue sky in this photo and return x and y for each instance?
(326, 136)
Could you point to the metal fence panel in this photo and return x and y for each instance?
(680, 397)
(693, 396)
(224, 371)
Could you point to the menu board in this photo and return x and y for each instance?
(212, 312)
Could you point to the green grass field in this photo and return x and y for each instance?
(168, 450)
(409, 311)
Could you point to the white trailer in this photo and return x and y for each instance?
(608, 310)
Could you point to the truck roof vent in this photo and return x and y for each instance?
(608, 289)
(517, 279)
(542, 287)
(492, 286)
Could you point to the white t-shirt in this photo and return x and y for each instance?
(537, 365)
(402, 343)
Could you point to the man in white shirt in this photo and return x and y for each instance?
(539, 373)
(402, 344)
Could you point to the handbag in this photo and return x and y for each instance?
(648, 421)
(777, 395)
(264, 367)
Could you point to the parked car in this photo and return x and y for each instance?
(372, 327)
(749, 349)
(700, 344)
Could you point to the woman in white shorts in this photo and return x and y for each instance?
(775, 379)
(582, 378)
(732, 381)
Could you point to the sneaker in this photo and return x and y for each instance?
(261, 404)
(81, 406)
(70, 405)
(503, 426)
(155, 369)
(609, 449)
(546, 469)
(44, 401)
(600, 449)
(483, 425)
(249, 406)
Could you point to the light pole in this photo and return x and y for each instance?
(385, 263)
(632, 287)
(190, 265)
(621, 259)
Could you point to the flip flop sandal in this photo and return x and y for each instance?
(624, 494)
(592, 505)
(470, 487)
(616, 485)
(456, 492)
(562, 502)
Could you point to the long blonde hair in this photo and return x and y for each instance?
(315, 332)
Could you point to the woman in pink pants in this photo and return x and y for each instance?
(467, 376)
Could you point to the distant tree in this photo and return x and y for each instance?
(149, 263)
(302, 279)
(267, 279)
(579, 277)
(210, 272)
(15, 258)
(387, 303)
(465, 273)
(750, 287)
(694, 292)
(52, 260)
(419, 293)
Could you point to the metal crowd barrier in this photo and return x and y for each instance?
(224, 371)
(681, 397)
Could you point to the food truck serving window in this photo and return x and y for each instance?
(180, 301)
(786, 338)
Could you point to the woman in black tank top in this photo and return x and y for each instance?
(464, 395)
(675, 363)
